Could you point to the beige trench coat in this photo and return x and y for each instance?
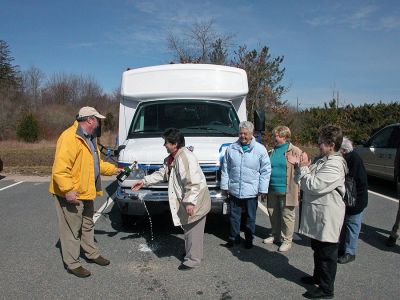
(323, 208)
(186, 184)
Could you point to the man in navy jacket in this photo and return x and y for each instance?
(354, 215)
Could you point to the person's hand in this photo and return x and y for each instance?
(304, 160)
(71, 197)
(119, 170)
(263, 197)
(293, 158)
(137, 186)
(190, 209)
(224, 193)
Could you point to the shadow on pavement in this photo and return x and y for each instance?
(377, 237)
(270, 261)
(166, 243)
(384, 187)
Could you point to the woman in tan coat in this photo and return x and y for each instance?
(189, 199)
(283, 193)
(323, 208)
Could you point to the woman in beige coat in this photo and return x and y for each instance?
(323, 208)
(283, 191)
(189, 199)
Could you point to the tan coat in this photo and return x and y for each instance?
(186, 184)
(323, 208)
(292, 187)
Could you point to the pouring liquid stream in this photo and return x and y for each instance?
(150, 220)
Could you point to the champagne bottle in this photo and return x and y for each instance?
(125, 173)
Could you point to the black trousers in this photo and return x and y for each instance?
(325, 264)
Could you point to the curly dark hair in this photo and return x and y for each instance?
(174, 136)
(331, 134)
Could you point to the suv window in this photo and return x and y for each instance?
(394, 141)
(386, 138)
(381, 139)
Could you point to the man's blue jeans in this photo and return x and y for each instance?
(350, 232)
(247, 206)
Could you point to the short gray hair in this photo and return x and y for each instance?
(247, 125)
(347, 145)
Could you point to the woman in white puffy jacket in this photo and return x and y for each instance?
(245, 174)
(323, 208)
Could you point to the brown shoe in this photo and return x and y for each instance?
(80, 272)
(101, 261)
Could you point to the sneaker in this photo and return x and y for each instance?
(270, 240)
(391, 241)
(285, 246)
(346, 258)
(183, 267)
(101, 261)
(80, 272)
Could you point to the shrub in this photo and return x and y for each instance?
(28, 128)
(109, 122)
(358, 123)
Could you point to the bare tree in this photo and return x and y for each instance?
(218, 54)
(64, 88)
(179, 48)
(200, 44)
(90, 91)
(202, 34)
(32, 82)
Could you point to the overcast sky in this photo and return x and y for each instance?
(352, 47)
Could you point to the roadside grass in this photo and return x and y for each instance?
(27, 158)
(34, 158)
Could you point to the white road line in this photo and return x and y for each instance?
(102, 209)
(263, 208)
(383, 196)
(4, 188)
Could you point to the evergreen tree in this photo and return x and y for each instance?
(28, 128)
(9, 74)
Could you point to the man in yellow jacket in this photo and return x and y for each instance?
(75, 181)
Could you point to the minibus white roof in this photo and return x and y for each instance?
(178, 81)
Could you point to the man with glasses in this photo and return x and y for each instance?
(75, 181)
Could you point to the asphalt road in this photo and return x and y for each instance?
(31, 265)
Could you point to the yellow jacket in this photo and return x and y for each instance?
(73, 168)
